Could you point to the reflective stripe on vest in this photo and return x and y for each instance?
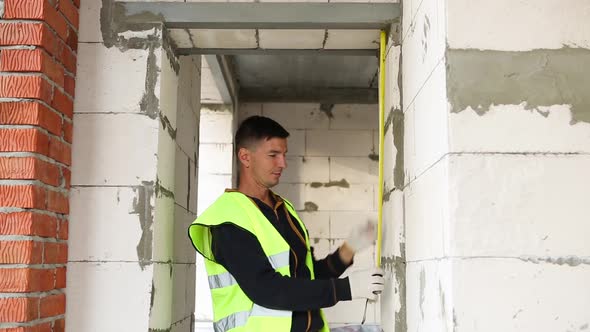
(241, 318)
(226, 279)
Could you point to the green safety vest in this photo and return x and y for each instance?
(232, 309)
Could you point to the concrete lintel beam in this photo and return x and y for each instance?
(224, 77)
(310, 95)
(219, 15)
(260, 51)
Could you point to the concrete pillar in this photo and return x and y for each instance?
(134, 189)
(496, 138)
(393, 251)
(38, 51)
(519, 137)
(215, 175)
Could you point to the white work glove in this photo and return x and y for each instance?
(362, 236)
(366, 284)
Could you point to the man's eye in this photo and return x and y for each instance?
(272, 155)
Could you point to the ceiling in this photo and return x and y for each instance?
(292, 65)
(322, 51)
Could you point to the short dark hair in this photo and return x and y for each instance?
(256, 128)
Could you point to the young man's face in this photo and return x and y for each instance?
(268, 160)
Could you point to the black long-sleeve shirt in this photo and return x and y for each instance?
(242, 255)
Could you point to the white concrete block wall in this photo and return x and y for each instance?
(515, 225)
(496, 145)
(215, 171)
(113, 176)
(174, 270)
(331, 179)
(393, 250)
(132, 183)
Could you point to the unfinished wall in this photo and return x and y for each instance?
(393, 251)
(519, 118)
(331, 179)
(496, 146)
(134, 187)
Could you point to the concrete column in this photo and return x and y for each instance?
(496, 140)
(393, 251)
(134, 189)
(519, 136)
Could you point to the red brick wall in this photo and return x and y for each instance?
(38, 44)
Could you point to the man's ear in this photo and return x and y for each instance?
(244, 157)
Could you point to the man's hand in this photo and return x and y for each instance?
(362, 236)
(366, 284)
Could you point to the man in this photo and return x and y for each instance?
(262, 273)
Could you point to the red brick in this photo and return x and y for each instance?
(72, 40)
(21, 34)
(59, 325)
(35, 60)
(60, 151)
(57, 22)
(62, 257)
(55, 253)
(63, 230)
(58, 202)
(35, 87)
(22, 309)
(63, 103)
(21, 60)
(68, 59)
(17, 168)
(77, 3)
(21, 252)
(27, 280)
(67, 176)
(53, 305)
(36, 10)
(29, 168)
(47, 173)
(24, 140)
(50, 253)
(29, 223)
(24, 196)
(70, 12)
(29, 33)
(30, 113)
(68, 131)
(70, 85)
(29, 9)
(60, 278)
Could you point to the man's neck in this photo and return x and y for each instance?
(262, 193)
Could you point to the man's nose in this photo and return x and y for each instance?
(282, 162)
